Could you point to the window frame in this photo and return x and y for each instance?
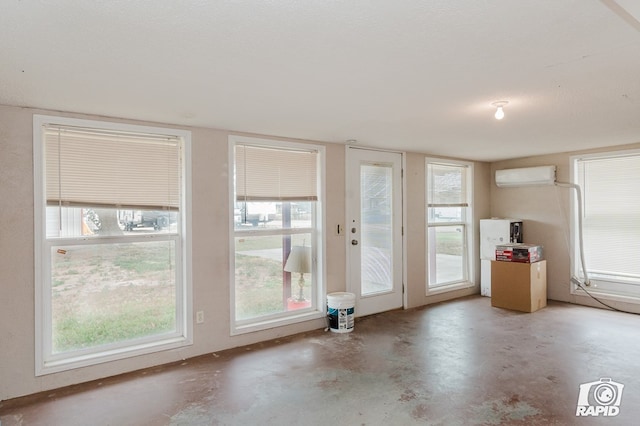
(606, 287)
(46, 362)
(318, 308)
(467, 223)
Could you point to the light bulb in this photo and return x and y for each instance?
(499, 111)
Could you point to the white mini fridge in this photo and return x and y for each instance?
(493, 232)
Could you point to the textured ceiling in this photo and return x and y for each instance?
(410, 75)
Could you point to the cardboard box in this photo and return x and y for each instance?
(526, 253)
(519, 286)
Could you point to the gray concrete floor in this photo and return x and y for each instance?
(456, 363)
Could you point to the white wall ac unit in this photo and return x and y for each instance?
(528, 176)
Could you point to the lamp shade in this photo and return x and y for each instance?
(299, 260)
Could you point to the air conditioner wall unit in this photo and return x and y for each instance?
(528, 176)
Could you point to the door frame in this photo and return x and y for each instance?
(403, 203)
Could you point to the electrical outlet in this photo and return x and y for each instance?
(200, 317)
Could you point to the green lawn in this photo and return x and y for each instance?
(104, 294)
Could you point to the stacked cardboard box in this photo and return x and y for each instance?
(525, 253)
(519, 286)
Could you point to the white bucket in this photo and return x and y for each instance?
(340, 311)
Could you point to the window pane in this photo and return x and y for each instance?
(611, 211)
(449, 193)
(89, 166)
(70, 222)
(446, 257)
(446, 214)
(97, 289)
(271, 173)
(447, 184)
(262, 287)
(111, 260)
(275, 190)
(273, 215)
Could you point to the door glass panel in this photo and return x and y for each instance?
(376, 214)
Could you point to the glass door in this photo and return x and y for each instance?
(374, 229)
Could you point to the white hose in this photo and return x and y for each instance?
(586, 282)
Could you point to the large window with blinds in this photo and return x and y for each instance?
(610, 221)
(449, 231)
(111, 230)
(277, 239)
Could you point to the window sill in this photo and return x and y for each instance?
(59, 364)
(449, 287)
(607, 296)
(276, 322)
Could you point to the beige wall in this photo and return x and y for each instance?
(210, 248)
(545, 211)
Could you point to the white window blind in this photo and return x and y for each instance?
(102, 168)
(273, 174)
(447, 185)
(611, 209)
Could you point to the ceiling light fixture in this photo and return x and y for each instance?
(499, 112)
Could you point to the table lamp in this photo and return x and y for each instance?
(299, 261)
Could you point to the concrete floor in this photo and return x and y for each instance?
(456, 363)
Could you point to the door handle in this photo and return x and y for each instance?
(354, 242)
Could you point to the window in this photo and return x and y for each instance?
(610, 221)
(448, 225)
(277, 234)
(111, 235)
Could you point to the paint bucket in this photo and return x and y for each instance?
(340, 311)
